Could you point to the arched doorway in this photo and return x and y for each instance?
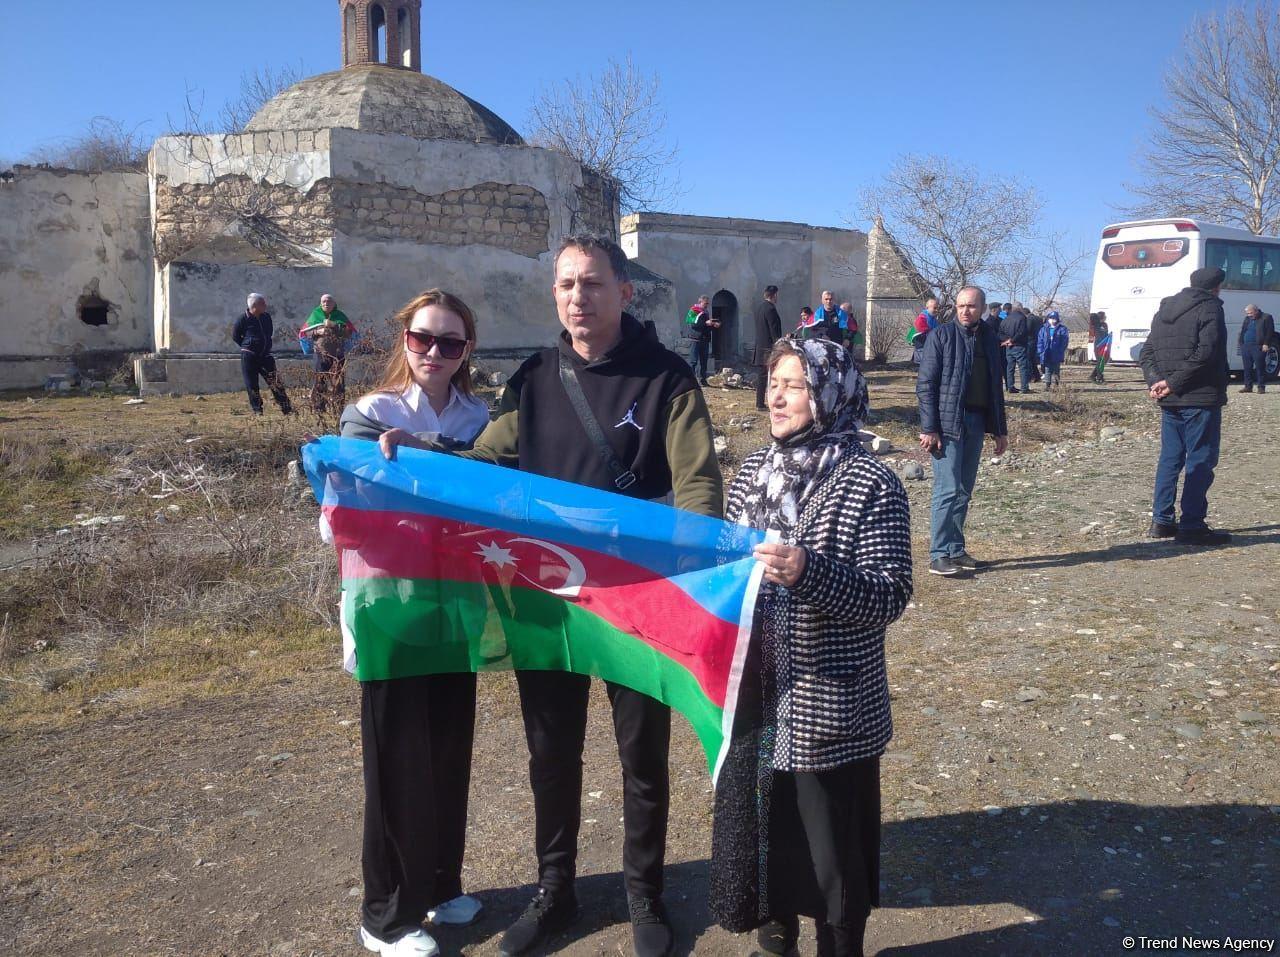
(724, 341)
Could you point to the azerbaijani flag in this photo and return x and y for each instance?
(451, 565)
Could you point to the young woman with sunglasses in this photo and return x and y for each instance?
(417, 732)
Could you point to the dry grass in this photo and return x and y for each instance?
(215, 550)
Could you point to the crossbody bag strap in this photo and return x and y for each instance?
(623, 478)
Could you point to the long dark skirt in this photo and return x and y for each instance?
(785, 843)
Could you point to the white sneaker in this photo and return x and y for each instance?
(416, 943)
(460, 911)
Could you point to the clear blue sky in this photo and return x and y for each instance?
(780, 110)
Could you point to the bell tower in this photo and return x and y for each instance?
(388, 32)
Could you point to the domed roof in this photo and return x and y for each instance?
(382, 99)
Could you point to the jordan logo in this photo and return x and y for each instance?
(630, 419)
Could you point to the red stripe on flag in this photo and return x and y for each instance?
(378, 544)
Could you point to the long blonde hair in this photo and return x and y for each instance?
(397, 376)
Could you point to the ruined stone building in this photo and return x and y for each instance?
(372, 182)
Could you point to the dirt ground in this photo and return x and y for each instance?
(1085, 745)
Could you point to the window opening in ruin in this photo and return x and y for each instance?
(349, 31)
(403, 32)
(93, 311)
(378, 32)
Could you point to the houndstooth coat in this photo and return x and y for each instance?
(823, 638)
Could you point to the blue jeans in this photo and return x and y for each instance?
(1017, 359)
(1254, 361)
(699, 351)
(1052, 372)
(954, 475)
(1189, 439)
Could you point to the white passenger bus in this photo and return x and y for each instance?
(1140, 263)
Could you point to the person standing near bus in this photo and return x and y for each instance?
(1256, 339)
(1184, 361)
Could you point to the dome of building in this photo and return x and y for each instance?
(375, 98)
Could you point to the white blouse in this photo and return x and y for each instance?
(464, 417)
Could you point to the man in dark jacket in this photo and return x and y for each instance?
(1184, 361)
(1256, 339)
(652, 440)
(768, 331)
(960, 401)
(1034, 325)
(252, 333)
(1015, 336)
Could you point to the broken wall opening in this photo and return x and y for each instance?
(94, 310)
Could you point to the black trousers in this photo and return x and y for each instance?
(824, 850)
(762, 386)
(252, 366)
(416, 735)
(554, 705)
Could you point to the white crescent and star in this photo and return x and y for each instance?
(497, 555)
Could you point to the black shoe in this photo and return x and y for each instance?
(967, 561)
(762, 408)
(1247, 388)
(1262, 390)
(548, 913)
(1162, 530)
(1013, 391)
(943, 566)
(779, 937)
(1203, 536)
(650, 929)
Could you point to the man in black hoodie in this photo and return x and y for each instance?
(652, 439)
(1184, 361)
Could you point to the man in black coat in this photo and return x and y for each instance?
(1256, 339)
(958, 389)
(768, 331)
(1014, 334)
(1184, 361)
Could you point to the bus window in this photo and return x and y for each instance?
(1271, 268)
(1242, 262)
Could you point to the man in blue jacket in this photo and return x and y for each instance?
(961, 400)
(252, 333)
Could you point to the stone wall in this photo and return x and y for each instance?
(705, 255)
(75, 267)
(597, 211)
(286, 226)
(502, 215)
(273, 220)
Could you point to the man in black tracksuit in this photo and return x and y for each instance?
(658, 445)
(252, 333)
(1184, 361)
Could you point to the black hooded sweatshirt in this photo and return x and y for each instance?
(649, 408)
(1187, 348)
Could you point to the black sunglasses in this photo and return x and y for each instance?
(421, 343)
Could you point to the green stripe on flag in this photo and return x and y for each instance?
(409, 626)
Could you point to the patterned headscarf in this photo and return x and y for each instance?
(793, 467)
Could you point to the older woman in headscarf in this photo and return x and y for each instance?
(797, 812)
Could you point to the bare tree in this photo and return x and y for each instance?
(952, 221)
(1036, 270)
(107, 144)
(256, 88)
(1216, 148)
(613, 124)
